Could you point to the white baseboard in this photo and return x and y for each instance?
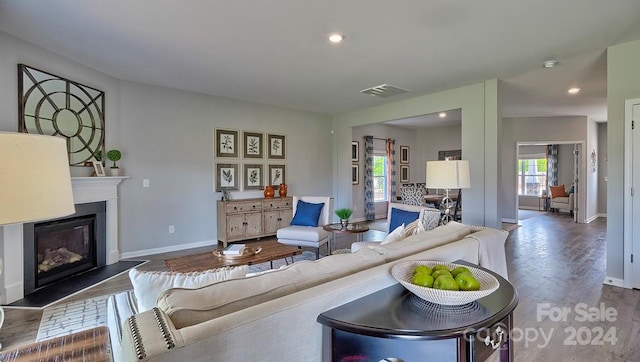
(602, 214)
(510, 221)
(167, 249)
(534, 208)
(614, 282)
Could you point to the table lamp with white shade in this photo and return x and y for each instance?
(35, 183)
(447, 175)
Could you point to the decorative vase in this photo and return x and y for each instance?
(282, 190)
(344, 223)
(114, 171)
(269, 192)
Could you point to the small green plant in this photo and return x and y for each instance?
(98, 155)
(114, 155)
(344, 213)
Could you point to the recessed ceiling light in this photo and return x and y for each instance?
(442, 114)
(574, 90)
(336, 38)
(550, 63)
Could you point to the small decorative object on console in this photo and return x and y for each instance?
(282, 190)
(269, 192)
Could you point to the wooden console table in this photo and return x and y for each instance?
(252, 218)
(394, 324)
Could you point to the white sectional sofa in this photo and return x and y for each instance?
(272, 316)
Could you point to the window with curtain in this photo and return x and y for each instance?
(532, 175)
(380, 178)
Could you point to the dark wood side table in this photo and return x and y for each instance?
(357, 229)
(394, 323)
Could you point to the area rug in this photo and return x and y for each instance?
(72, 317)
(306, 255)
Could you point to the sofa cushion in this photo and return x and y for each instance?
(426, 240)
(307, 214)
(399, 217)
(557, 191)
(395, 235)
(561, 200)
(302, 233)
(188, 307)
(431, 218)
(148, 285)
(413, 228)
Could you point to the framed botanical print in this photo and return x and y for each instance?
(355, 151)
(404, 173)
(253, 145)
(276, 175)
(404, 154)
(253, 176)
(226, 143)
(227, 176)
(277, 146)
(355, 174)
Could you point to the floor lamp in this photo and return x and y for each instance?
(447, 175)
(35, 183)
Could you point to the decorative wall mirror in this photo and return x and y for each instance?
(56, 106)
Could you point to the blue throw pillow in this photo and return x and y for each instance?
(399, 217)
(307, 214)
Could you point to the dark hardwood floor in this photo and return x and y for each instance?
(553, 263)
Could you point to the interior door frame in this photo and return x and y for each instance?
(627, 220)
(579, 216)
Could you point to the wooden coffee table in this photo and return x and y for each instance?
(88, 345)
(271, 250)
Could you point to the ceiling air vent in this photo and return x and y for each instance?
(384, 91)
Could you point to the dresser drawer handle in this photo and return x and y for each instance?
(489, 341)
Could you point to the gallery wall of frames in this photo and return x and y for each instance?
(248, 160)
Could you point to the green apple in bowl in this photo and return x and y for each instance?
(422, 269)
(439, 272)
(466, 281)
(460, 269)
(446, 282)
(423, 280)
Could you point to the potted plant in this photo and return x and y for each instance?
(343, 214)
(114, 156)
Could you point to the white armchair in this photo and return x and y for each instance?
(563, 203)
(309, 236)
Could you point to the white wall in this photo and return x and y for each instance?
(602, 169)
(166, 136)
(535, 130)
(424, 145)
(592, 173)
(481, 127)
(623, 82)
(566, 172)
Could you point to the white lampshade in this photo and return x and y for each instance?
(35, 183)
(448, 174)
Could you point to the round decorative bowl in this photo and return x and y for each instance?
(403, 273)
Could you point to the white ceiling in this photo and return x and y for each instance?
(276, 52)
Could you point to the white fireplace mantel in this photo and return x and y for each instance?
(85, 190)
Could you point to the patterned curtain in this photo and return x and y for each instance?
(369, 205)
(391, 169)
(552, 165)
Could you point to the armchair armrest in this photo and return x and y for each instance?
(147, 335)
